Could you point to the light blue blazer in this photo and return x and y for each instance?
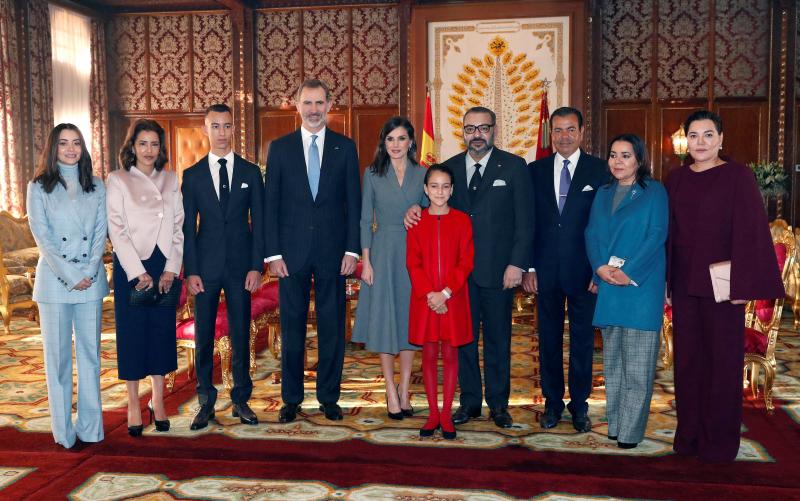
(637, 233)
(71, 236)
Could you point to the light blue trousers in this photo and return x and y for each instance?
(58, 323)
(629, 362)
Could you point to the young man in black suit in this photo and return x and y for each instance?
(565, 185)
(494, 188)
(223, 252)
(313, 206)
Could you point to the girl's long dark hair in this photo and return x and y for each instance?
(127, 158)
(47, 172)
(639, 151)
(380, 164)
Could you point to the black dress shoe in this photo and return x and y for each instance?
(581, 422)
(245, 413)
(626, 445)
(288, 413)
(205, 414)
(501, 417)
(332, 411)
(550, 418)
(465, 413)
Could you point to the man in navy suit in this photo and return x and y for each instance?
(564, 186)
(313, 206)
(493, 187)
(223, 252)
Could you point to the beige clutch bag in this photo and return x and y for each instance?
(721, 280)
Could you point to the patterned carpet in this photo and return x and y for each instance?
(23, 409)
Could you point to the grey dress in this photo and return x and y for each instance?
(382, 314)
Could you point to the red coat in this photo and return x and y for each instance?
(439, 254)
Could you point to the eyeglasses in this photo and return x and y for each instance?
(484, 128)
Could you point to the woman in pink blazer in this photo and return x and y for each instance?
(145, 218)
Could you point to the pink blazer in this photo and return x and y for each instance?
(145, 211)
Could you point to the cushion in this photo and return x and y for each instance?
(765, 308)
(185, 328)
(19, 288)
(780, 253)
(668, 311)
(16, 235)
(755, 341)
(27, 257)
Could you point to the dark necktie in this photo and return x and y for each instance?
(224, 184)
(563, 187)
(475, 184)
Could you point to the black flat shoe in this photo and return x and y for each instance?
(135, 431)
(160, 425)
(626, 445)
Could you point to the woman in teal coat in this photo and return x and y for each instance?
(625, 242)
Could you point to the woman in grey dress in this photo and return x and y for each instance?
(391, 185)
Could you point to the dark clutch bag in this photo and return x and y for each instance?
(151, 296)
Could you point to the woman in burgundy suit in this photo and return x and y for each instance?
(716, 215)
(439, 257)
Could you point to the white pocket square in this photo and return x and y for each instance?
(588, 187)
(245, 185)
(499, 182)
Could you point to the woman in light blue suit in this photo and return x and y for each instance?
(67, 215)
(625, 241)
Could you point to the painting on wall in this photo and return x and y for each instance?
(504, 65)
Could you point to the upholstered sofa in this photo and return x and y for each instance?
(18, 257)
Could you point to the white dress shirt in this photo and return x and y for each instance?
(213, 165)
(471, 164)
(558, 164)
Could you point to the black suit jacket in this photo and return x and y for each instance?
(502, 216)
(559, 253)
(220, 244)
(304, 230)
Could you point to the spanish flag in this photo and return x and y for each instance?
(427, 157)
(543, 147)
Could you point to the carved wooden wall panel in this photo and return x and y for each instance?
(625, 118)
(746, 124)
(213, 60)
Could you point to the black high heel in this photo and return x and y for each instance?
(427, 432)
(405, 412)
(160, 425)
(135, 431)
(397, 416)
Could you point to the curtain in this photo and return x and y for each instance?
(12, 184)
(41, 79)
(98, 100)
(72, 66)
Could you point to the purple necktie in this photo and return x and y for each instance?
(563, 187)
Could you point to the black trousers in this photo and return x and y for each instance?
(492, 308)
(329, 302)
(237, 301)
(580, 308)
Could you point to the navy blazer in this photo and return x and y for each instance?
(559, 251)
(502, 216)
(305, 231)
(220, 243)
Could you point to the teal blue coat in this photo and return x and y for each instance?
(637, 233)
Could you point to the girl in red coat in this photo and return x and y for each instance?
(439, 258)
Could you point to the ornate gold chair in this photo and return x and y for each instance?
(796, 283)
(666, 337)
(762, 321)
(18, 258)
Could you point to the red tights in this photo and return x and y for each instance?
(430, 356)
